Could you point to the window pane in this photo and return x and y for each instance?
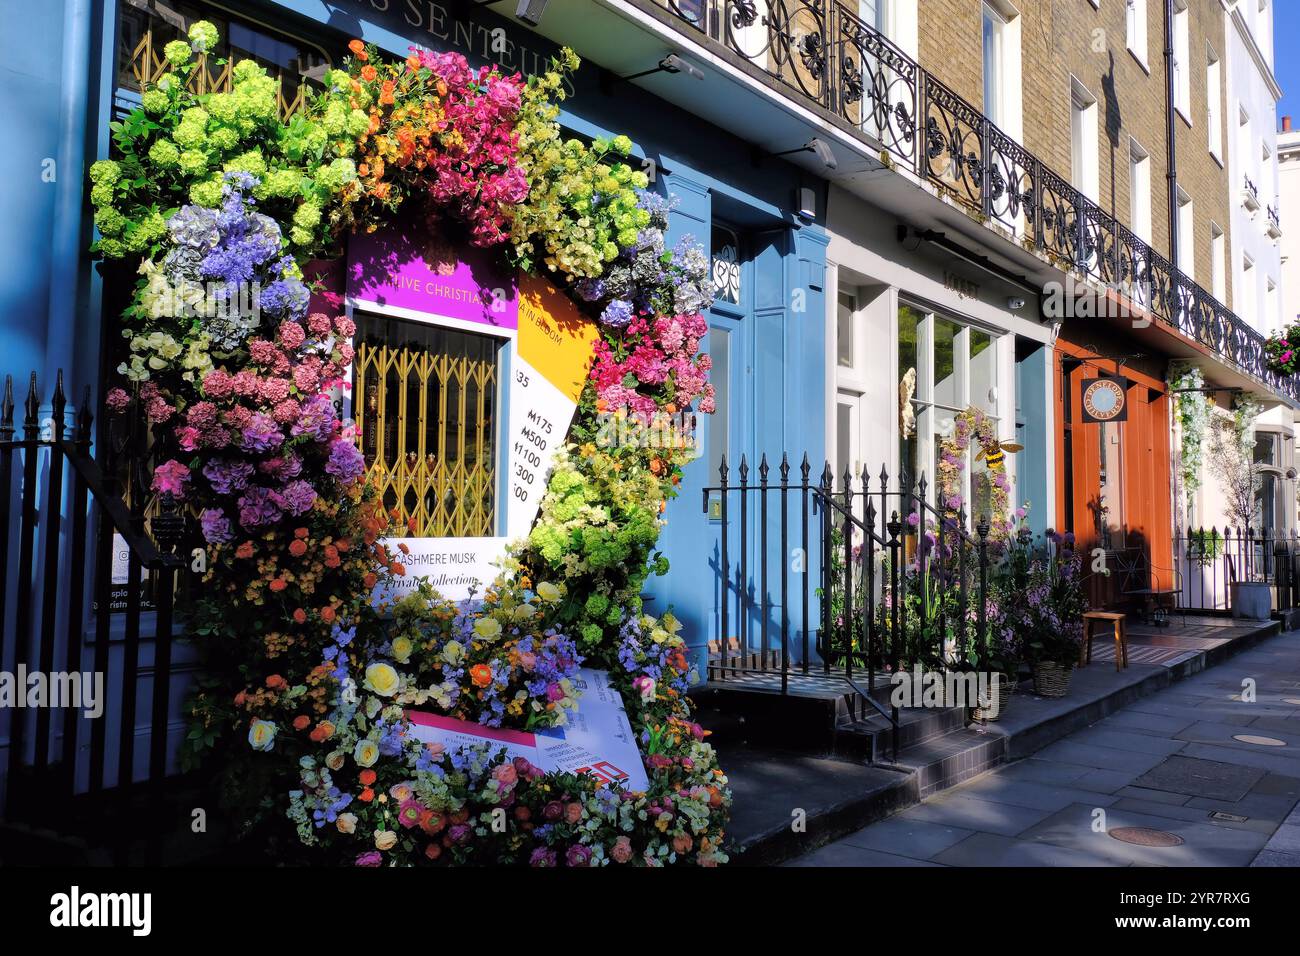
(844, 329)
(909, 321)
(983, 371)
(947, 389)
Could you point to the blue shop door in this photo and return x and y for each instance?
(746, 343)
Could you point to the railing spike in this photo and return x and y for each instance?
(58, 407)
(805, 468)
(762, 468)
(7, 407)
(784, 469)
(32, 406)
(85, 418)
(744, 469)
(827, 476)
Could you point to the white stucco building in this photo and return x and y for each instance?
(1252, 157)
(1288, 168)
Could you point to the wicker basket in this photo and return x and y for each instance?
(1051, 679)
(1006, 687)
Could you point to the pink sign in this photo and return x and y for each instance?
(418, 271)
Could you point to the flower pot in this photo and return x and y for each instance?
(1006, 687)
(1252, 600)
(1052, 679)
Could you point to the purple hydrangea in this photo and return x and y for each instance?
(259, 506)
(617, 314)
(216, 526)
(316, 418)
(227, 476)
(261, 434)
(345, 462)
(298, 497)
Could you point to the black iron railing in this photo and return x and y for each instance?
(821, 51)
(62, 608)
(847, 581)
(1211, 560)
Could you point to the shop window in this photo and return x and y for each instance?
(955, 367)
(426, 408)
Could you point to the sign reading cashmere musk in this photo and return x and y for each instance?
(425, 280)
(1105, 399)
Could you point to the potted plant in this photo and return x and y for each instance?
(1053, 605)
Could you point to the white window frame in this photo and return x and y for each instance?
(1213, 103)
(1139, 184)
(1135, 29)
(1085, 171)
(1218, 262)
(1182, 61)
(1186, 234)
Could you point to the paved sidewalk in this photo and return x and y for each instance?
(1193, 766)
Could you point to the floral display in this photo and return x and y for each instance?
(973, 426)
(1192, 409)
(1282, 349)
(1054, 602)
(308, 678)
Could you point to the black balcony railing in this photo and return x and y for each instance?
(820, 50)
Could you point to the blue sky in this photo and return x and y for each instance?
(1286, 32)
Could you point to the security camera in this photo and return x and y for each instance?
(1015, 303)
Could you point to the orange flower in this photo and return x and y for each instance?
(245, 550)
(275, 682)
(278, 584)
(298, 548)
(343, 544)
(327, 614)
(322, 731)
(300, 532)
(371, 579)
(412, 63)
(301, 721)
(402, 547)
(357, 47)
(397, 569)
(300, 616)
(368, 73)
(481, 675)
(366, 795)
(367, 777)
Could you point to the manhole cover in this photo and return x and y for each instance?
(1145, 836)
(1261, 741)
(1195, 777)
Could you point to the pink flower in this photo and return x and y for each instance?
(291, 334)
(117, 400)
(621, 851)
(170, 476)
(318, 323)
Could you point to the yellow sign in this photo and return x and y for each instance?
(554, 337)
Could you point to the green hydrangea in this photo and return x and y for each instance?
(101, 194)
(250, 162)
(224, 138)
(164, 153)
(194, 162)
(203, 36)
(111, 248)
(154, 101)
(337, 174)
(109, 221)
(177, 52)
(279, 183)
(307, 216)
(105, 171)
(206, 193)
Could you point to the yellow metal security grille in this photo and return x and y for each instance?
(426, 405)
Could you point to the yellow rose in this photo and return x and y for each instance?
(347, 823)
(402, 649)
(524, 611)
(261, 735)
(488, 628)
(366, 753)
(385, 839)
(548, 591)
(453, 652)
(382, 679)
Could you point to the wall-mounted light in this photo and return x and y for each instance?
(672, 63)
(815, 146)
(528, 11)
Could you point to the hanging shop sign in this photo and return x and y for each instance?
(1105, 399)
(596, 739)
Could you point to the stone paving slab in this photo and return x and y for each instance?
(999, 788)
(1122, 740)
(906, 837)
(1142, 723)
(1201, 778)
(1265, 758)
(987, 849)
(967, 812)
(1102, 758)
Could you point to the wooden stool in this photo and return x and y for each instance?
(1116, 620)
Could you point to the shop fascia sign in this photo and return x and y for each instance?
(445, 26)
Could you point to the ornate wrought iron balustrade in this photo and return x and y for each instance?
(823, 52)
